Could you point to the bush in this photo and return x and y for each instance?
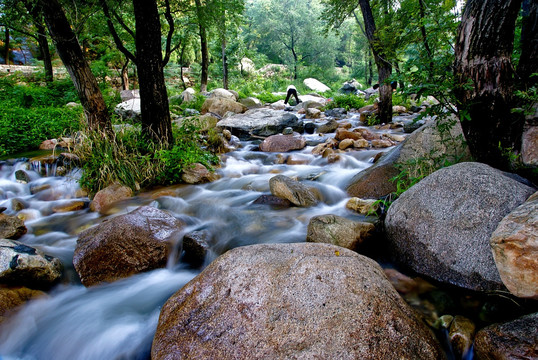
(23, 129)
(127, 158)
(347, 102)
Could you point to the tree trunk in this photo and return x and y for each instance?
(37, 18)
(528, 62)
(203, 46)
(422, 13)
(224, 64)
(483, 71)
(125, 75)
(71, 54)
(6, 42)
(384, 68)
(156, 123)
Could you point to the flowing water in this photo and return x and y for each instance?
(117, 321)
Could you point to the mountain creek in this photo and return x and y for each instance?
(118, 320)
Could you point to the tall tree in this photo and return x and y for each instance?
(68, 48)
(156, 121)
(484, 73)
(202, 28)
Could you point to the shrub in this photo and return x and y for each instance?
(347, 102)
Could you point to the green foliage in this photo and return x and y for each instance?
(30, 114)
(347, 102)
(128, 159)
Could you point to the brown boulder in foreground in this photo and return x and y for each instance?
(291, 301)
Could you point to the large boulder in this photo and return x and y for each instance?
(428, 142)
(125, 245)
(251, 103)
(291, 301)
(515, 249)
(23, 265)
(220, 106)
(247, 66)
(188, 95)
(105, 198)
(350, 87)
(260, 122)
(283, 143)
(441, 226)
(514, 339)
(129, 94)
(130, 109)
(337, 230)
(315, 85)
(11, 227)
(297, 193)
(222, 93)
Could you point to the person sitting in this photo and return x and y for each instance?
(291, 91)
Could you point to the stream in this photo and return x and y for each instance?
(118, 320)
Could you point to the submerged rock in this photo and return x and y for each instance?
(291, 301)
(23, 265)
(283, 143)
(12, 298)
(441, 226)
(125, 245)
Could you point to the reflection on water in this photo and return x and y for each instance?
(117, 321)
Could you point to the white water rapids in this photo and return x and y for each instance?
(118, 320)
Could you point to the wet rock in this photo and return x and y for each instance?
(346, 143)
(196, 245)
(461, 334)
(367, 134)
(402, 283)
(221, 106)
(251, 103)
(310, 128)
(48, 144)
(362, 206)
(515, 249)
(515, 339)
(125, 245)
(361, 144)
(104, 199)
(279, 105)
(313, 113)
(382, 143)
(69, 206)
(374, 182)
(13, 298)
(350, 87)
(36, 188)
(22, 176)
(198, 174)
(338, 113)
(272, 200)
(283, 143)
(337, 230)
(441, 226)
(297, 159)
(23, 265)
(311, 101)
(291, 301)
(18, 204)
(329, 127)
(11, 227)
(398, 109)
(260, 122)
(395, 137)
(297, 193)
(315, 85)
(342, 134)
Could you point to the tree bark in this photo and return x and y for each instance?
(125, 75)
(384, 68)
(224, 64)
(528, 61)
(45, 52)
(203, 46)
(422, 13)
(71, 54)
(6, 42)
(483, 71)
(156, 123)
